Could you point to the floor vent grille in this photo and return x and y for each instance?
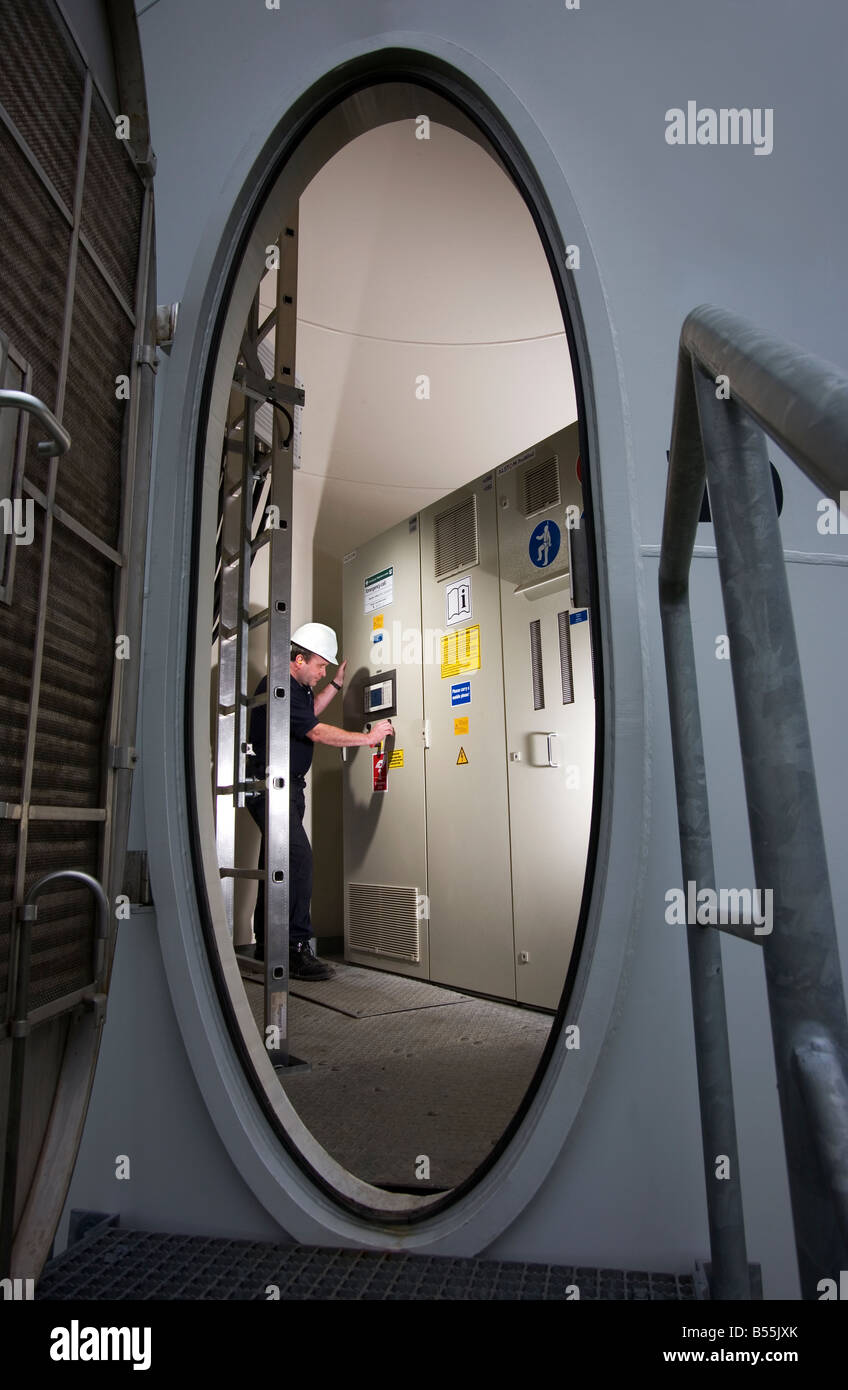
(383, 921)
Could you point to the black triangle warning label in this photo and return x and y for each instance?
(462, 759)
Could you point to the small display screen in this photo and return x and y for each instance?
(376, 696)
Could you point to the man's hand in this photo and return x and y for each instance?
(379, 731)
(340, 673)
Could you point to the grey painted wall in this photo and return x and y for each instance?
(668, 228)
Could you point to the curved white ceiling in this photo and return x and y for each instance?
(418, 258)
(422, 241)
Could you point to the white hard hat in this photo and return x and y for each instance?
(317, 638)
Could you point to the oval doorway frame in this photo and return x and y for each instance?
(247, 1106)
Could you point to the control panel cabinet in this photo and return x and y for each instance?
(471, 933)
(466, 835)
(550, 710)
(385, 858)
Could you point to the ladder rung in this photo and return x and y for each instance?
(248, 701)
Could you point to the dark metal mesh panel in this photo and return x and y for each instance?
(111, 206)
(33, 270)
(89, 480)
(35, 59)
(63, 936)
(17, 642)
(76, 678)
(9, 830)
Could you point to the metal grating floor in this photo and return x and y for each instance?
(114, 1264)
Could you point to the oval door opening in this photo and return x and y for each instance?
(425, 504)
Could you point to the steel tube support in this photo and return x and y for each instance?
(800, 400)
(801, 956)
(729, 1277)
(824, 1089)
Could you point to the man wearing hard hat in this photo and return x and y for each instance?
(313, 646)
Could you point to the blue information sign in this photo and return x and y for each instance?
(544, 544)
(461, 693)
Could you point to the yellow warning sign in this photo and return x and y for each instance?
(460, 726)
(376, 622)
(461, 760)
(396, 760)
(461, 651)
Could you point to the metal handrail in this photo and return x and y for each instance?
(801, 402)
(59, 441)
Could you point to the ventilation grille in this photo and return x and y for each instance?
(63, 936)
(541, 487)
(93, 416)
(383, 921)
(536, 664)
(76, 677)
(32, 287)
(112, 201)
(565, 658)
(35, 59)
(456, 538)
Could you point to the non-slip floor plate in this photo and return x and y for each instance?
(366, 993)
(114, 1264)
(392, 1089)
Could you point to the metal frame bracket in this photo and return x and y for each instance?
(166, 325)
(122, 757)
(262, 389)
(147, 356)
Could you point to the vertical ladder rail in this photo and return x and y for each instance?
(228, 619)
(278, 630)
(242, 584)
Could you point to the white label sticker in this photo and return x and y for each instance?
(379, 589)
(458, 601)
(513, 463)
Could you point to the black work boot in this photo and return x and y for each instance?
(304, 964)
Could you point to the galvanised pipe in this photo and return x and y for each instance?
(729, 1277)
(801, 955)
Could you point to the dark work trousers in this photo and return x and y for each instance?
(300, 870)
